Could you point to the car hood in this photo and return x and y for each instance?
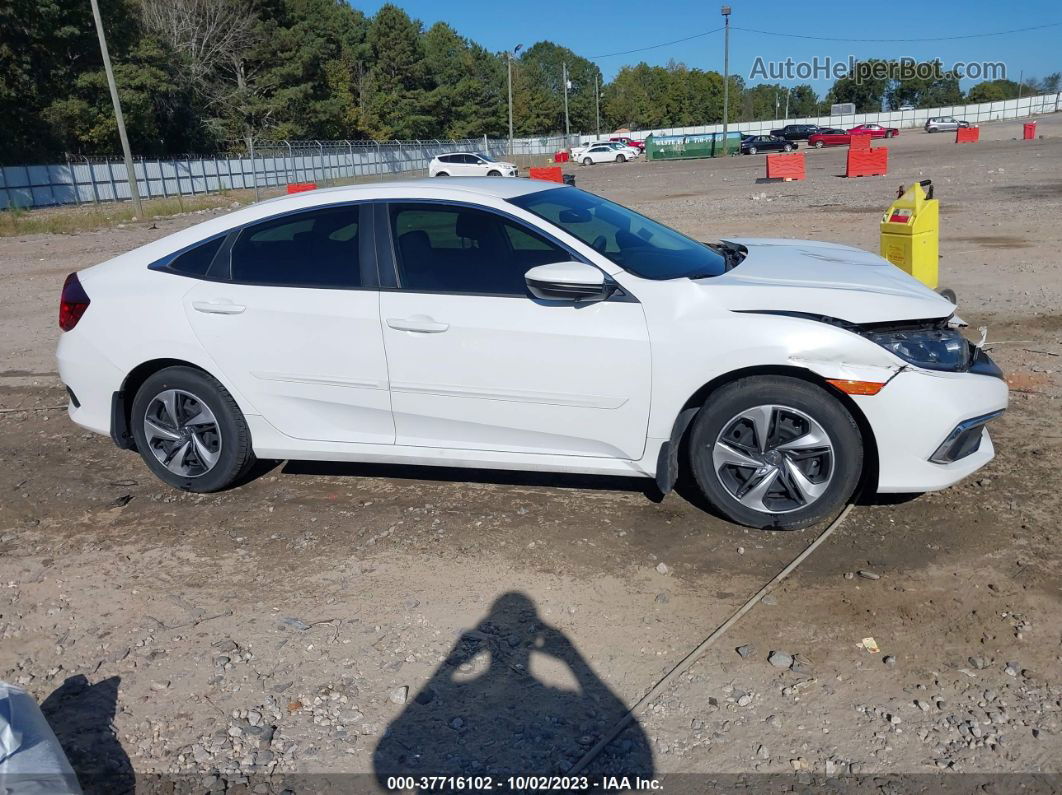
(823, 279)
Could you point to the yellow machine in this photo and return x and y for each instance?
(910, 233)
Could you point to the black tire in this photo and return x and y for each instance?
(819, 144)
(494, 173)
(727, 403)
(787, 148)
(587, 161)
(888, 133)
(621, 159)
(752, 150)
(441, 174)
(233, 438)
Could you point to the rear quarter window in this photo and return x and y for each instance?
(194, 261)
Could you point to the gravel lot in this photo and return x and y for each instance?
(327, 620)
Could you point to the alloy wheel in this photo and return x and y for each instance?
(774, 459)
(182, 433)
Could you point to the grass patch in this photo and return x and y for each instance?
(70, 220)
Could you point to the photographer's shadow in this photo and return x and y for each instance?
(513, 697)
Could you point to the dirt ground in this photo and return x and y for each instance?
(325, 625)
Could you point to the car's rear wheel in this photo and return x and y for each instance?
(189, 430)
(442, 174)
(787, 148)
(819, 144)
(775, 452)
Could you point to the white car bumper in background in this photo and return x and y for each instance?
(917, 413)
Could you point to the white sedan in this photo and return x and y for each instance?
(470, 164)
(607, 152)
(518, 324)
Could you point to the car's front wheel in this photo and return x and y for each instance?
(587, 161)
(775, 452)
(621, 159)
(189, 430)
(889, 134)
(752, 150)
(494, 173)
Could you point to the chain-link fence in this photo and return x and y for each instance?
(258, 166)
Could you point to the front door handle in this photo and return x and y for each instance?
(421, 324)
(221, 307)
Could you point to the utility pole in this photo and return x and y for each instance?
(564, 74)
(510, 54)
(726, 74)
(597, 100)
(787, 103)
(1021, 79)
(134, 192)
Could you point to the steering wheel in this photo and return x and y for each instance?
(599, 244)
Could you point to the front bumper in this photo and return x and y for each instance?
(913, 417)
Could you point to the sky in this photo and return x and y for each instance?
(601, 28)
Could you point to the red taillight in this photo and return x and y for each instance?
(73, 302)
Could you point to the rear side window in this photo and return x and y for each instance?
(195, 261)
(455, 249)
(316, 248)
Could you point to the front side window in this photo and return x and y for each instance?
(632, 241)
(456, 249)
(316, 248)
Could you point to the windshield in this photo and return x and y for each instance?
(632, 241)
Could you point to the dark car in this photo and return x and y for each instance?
(796, 132)
(751, 144)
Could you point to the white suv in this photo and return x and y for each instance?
(519, 324)
(470, 164)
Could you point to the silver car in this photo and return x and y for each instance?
(945, 124)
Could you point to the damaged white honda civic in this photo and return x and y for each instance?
(518, 324)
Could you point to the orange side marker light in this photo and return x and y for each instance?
(856, 387)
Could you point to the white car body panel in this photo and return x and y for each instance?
(514, 382)
(290, 352)
(520, 375)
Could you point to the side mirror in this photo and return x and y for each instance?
(568, 281)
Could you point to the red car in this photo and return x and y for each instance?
(829, 137)
(874, 131)
(623, 139)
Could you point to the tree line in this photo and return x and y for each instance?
(213, 75)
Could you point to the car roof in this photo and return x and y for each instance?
(481, 186)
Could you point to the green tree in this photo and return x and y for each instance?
(993, 91)
(395, 92)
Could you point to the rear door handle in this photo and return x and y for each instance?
(221, 307)
(421, 324)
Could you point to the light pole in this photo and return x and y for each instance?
(597, 100)
(134, 192)
(510, 54)
(564, 76)
(726, 73)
